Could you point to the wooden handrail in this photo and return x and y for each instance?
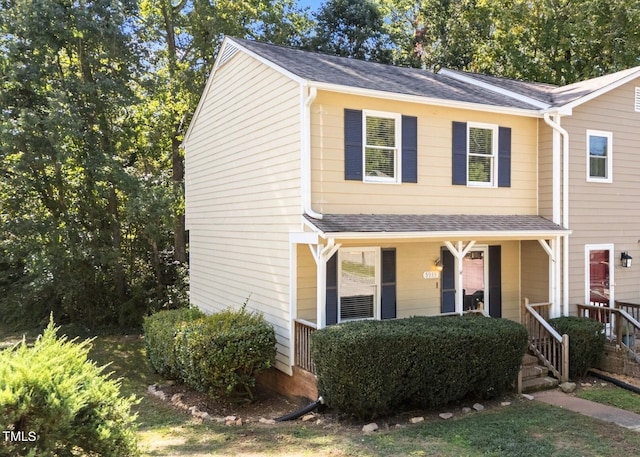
(545, 342)
(620, 318)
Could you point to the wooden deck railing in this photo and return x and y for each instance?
(621, 323)
(545, 342)
(302, 334)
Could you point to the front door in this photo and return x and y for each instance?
(481, 281)
(599, 291)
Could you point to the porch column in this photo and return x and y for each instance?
(459, 251)
(552, 250)
(321, 254)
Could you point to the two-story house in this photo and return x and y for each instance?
(327, 189)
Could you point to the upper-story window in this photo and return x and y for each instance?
(599, 156)
(482, 152)
(381, 145)
(481, 155)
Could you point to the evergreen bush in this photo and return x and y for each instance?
(159, 336)
(55, 402)
(369, 368)
(221, 354)
(586, 342)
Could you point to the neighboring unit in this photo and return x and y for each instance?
(329, 189)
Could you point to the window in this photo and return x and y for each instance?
(358, 283)
(381, 145)
(637, 100)
(599, 160)
(481, 155)
(482, 149)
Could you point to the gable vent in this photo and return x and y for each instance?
(637, 102)
(227, 53)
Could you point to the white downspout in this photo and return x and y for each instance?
(305, 146)
(555, 125)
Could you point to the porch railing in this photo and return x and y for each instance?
(302, 335)
(544, 341)
(621, 324)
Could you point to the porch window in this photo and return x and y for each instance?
(381, 146)
(358, 283)
(599, 164)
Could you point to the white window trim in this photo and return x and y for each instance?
(609, 136)
(587, 272)
(378, 279)
(494, 154)
(636, 101)
(397, 178)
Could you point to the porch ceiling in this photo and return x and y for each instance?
(443, 226)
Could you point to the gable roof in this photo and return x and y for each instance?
(315, 67)
(435, 225)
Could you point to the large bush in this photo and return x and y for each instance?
(54, 402)
(586, 342)
(159, 337)
(369, 368)
(218, 354)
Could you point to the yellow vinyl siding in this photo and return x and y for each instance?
(415, 295)
(605, 212)
(243, 193)
(434, 192)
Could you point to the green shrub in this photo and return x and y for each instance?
(369, 368)
(221, 354)
(586, 342)
(159, 336)
(57, 403)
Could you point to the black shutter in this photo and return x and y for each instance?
(332, 290)
(447, 282)
(459, 153)
(504, 157)
(409, 149)
(353, 145)
(388, 294)
(495, 281)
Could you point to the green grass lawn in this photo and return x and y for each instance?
(525, 428)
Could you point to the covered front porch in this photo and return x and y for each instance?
(350, 267)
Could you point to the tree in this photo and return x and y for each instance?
(68, 72)
(352, 28)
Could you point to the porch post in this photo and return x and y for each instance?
(459, 252)
(321, 289)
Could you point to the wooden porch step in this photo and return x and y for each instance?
(535, 377)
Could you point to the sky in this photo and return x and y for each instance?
(313, 4)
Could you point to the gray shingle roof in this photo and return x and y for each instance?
(324, 68)
(399, 223)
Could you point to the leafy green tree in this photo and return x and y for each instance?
(352, 28)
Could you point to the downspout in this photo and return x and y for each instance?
(305, 162)
(555, 125)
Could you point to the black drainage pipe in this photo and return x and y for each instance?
(615, 381)
(301, 412)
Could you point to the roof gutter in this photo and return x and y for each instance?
(561, 132)
(305, 147)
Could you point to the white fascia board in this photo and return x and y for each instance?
(303, 238)
(568, 108)
(444, 235)
(395, 96)
(492, 88)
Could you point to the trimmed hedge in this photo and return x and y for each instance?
(159, 337)
(58, 403)
(586, 342)
(218, 354)
(369, 368)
